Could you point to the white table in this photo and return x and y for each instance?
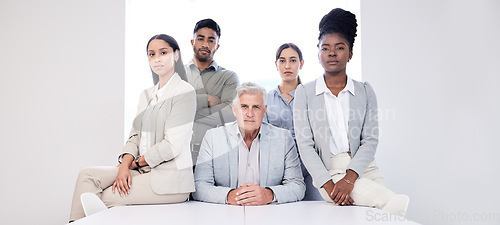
(186, 213)
(318, 212)
(199, 213)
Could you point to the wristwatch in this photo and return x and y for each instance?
(120, 157)
(137, 161)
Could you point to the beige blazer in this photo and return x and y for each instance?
(172, 123)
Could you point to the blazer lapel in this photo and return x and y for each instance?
(172, 86)
(319, 110)
(147, 98)
(264, 154)
(144, 100)
(169, 93)
(355, 111)
(232, 142)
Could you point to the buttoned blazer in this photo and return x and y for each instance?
(171, 122)
(216, 172)
(312, 130)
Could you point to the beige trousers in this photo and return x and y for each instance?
(98, 180)
(369, 188)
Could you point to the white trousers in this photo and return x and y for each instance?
(98, 180)
(369, 188)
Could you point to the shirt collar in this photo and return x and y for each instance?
(276, 92)
(159, 92)
(240, 136)
(213, 65)
(349, 86)
(322, 88)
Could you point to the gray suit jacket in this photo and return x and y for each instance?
(216, 172)
(313, 133)
(172, 120)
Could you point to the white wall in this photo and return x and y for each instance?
(61, 97)
(434, 67)
(250, 34)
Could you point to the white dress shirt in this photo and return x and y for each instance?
(146, 130)
(337, 111)
(248, 160)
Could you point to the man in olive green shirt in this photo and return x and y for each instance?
(215, 86)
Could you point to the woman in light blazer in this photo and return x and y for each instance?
(289, 62)
(155, 165)
(336, 125)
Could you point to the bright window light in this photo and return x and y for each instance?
(251, 31)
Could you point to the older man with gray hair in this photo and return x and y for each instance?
(248, 162)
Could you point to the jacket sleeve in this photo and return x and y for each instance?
(178, 129)
(305, 139)
(292, 187)
(221, 113)
(132, 143)
(204, 177)
(369, 134)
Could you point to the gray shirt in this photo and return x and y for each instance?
(213, 80)
(217, 81)
(279, 111)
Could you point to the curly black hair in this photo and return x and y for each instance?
(341, 22)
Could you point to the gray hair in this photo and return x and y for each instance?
(250, 88)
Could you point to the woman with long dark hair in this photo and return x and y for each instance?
(289, 62)
(155, 165)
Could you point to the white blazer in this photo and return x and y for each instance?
(172, 127)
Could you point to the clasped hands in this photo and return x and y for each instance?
(250, 194)
(340, 192)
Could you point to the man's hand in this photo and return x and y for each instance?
(342, 189)
(213, 100)
(250, 194)
(231, 197)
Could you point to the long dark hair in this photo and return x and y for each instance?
(289, 45)
(179, 66)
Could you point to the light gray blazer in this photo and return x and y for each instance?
(172, 120)
(216, 171)
(313, 133)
